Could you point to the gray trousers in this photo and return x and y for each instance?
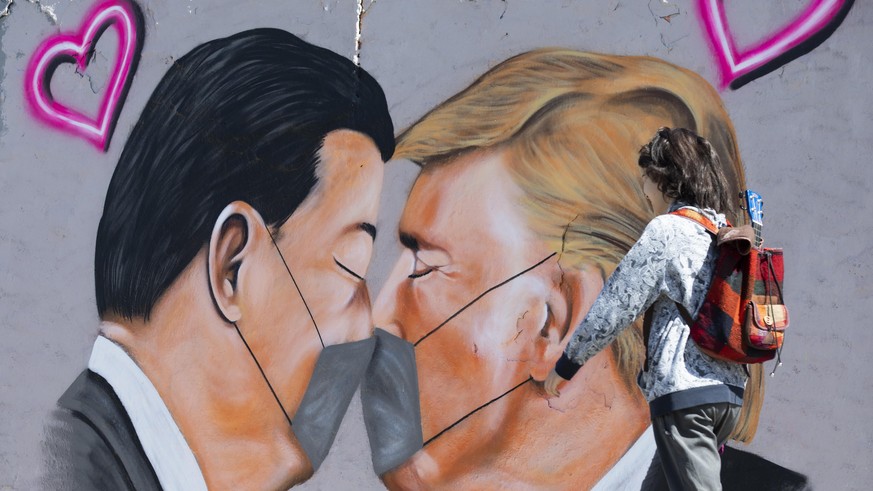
(688, 442)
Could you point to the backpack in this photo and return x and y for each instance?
(743, 317)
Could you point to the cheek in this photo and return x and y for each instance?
(342, 309)
(463, 365)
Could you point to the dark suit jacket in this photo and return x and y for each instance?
(91, 443)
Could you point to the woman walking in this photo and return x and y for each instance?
(694, 399)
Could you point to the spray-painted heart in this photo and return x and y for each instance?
(77, 48)
(799, 37)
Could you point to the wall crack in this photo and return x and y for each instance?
(359, 28)
(563, 248)
(48, 10)
(663, 10)
(7, 9)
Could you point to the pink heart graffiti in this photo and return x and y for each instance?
(800, 36)
(77, 47)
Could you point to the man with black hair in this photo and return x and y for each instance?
(235, 236)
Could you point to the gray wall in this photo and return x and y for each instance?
(804, 132)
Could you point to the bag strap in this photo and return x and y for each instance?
(648, 317)
(697, 217)
(701, 219)
(647, 330)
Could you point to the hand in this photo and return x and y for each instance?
(551, 383)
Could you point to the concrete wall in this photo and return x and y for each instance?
(803, 131)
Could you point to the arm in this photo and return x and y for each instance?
(630, 290)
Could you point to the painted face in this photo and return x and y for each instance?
(463, 237)
(326, 244)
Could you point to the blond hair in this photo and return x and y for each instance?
(570, 124)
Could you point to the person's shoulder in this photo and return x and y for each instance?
(90, 442)
(670, 224)
(675, 224)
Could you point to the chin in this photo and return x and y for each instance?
(404, 477)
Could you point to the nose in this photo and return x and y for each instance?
(363, 325)
(385, 309)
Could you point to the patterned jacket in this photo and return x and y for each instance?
(672, 262)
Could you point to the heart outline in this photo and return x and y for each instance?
(800, 36)
(126, 17)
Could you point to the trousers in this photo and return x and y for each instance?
(688, 441)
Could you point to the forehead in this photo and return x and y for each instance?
(470, 202)
(347, 156)
(349, 172)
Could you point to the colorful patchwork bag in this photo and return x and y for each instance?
(743, 318)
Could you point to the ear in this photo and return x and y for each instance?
(572, 294)
(229, 246)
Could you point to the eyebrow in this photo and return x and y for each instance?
(409, 241)
(369, 228)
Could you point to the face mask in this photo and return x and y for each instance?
(337, 374)
(390, 395)
(443, 324)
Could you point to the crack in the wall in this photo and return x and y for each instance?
(7, 9)
(48, 10)
(564, 247)
(671, 44)
(669, 17)
(663, 14)
(359, 28)
(91, 82)
(3, 126)
(518, 329)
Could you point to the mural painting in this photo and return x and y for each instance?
(240, 327)
(127, 20)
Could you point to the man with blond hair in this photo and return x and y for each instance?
(528, 198)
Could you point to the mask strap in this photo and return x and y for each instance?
(264, 375)
(486, 292)
(456, 423)
(317, 331)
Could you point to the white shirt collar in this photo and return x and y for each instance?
(163, 443)
(631, 470)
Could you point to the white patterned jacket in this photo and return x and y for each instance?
(672, 262)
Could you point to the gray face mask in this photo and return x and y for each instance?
(337, 374)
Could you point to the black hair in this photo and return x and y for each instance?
(686, 167)
(238, 118)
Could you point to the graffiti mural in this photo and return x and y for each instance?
(239, 218)
(539, 155)
(78, 48)
(341, 245)
(739, 67)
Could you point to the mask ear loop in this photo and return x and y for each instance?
(465, 307)
(252, 353)
(264, 375)
(486, 292)
(456, 423)
(317, 331)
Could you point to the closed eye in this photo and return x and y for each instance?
(421, 269)
(347, 270)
